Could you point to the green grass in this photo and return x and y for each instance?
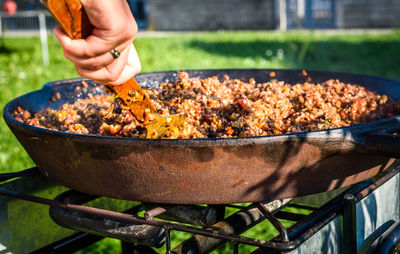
(21, 69)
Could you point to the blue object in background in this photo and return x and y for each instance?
(310, 14)
(139, 11)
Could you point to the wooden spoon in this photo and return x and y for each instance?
(72, 18)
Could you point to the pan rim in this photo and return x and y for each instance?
(340, 133)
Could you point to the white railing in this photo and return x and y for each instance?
(22, 22)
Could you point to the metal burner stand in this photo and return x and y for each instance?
(210, 229)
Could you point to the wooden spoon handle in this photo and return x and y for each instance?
(71, 16)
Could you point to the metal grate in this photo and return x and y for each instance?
(207, 224)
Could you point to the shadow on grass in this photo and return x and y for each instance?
(375, 57)
(11, 46)
(4, 50)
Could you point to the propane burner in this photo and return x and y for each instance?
(363, 217)
(152, 232)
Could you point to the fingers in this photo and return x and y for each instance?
(122, 69)
(97, 62)
(132, 67)
(114, 28)
(91, 47)
(108, 73)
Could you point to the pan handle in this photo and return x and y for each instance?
(382, 143)
(27, 172)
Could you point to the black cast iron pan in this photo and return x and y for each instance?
(211, 171)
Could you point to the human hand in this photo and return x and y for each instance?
(114, 28)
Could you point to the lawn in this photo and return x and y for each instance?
(21, 70)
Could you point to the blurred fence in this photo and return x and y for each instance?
(27, 22)
(32, 19)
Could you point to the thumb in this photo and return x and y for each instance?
(131, 68)
(61, 36)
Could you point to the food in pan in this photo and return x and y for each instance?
(213, 108)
